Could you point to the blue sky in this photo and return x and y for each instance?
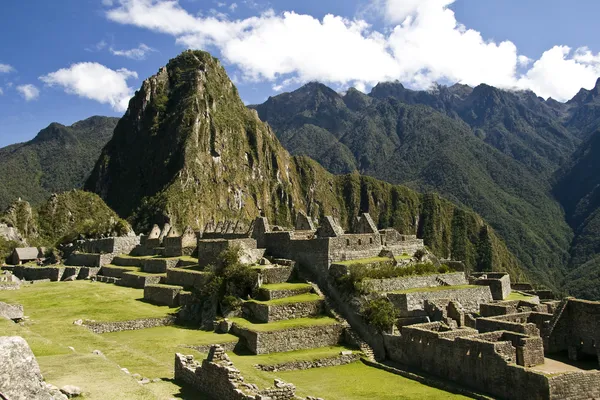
(548, 46)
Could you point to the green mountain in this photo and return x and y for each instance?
(188, 151)
(487, 149)
(59, 158)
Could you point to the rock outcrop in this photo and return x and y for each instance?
(20, 376)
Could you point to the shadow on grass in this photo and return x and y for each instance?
(186, 392)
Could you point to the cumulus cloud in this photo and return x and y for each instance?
(5, 68)
(94, 81)
(138, 53)
(1, 92)
(29, 92)
(424, 44)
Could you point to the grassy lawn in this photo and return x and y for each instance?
(301, 298)
(435, 289)
(358, 381)
(370, 260)
(52, 308)
(403, 257)
(287, 324)
(286, 286)
(140, 273)
(518, 296)
(121, 267)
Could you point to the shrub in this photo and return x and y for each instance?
(381, 314)
(419, 254)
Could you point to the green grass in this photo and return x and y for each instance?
(286, 286)
(299, 355)
(518, 296)
(287, 324)
(371, 260)
(358, 381)
(121, 267)
(435, 289)
(301, 298)
(160, 285)
(140, 273)
(403, 257)
(53, 307)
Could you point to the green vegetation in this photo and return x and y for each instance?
(358, 273)
(286, 286)
(486, 149)
(381, 314)
(301, 298)
(58, 159)
(186, 188)
(518, 296)
(436, 289)
(285, 324)
(50, 331)
(372, 260)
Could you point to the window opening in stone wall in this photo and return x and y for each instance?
(347, 242)
(359, 242)
(371, 240)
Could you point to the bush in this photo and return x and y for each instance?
(419, 254)
(381, 314)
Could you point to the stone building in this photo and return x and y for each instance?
(23, 255)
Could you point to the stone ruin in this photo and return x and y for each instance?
(217, 377)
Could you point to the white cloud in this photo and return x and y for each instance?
(94, 81)
(97, 47)
(107, 3)
(29, 92)
(5, 68)
(233, 7)
(1, 92)
(424, 44)
(138, 53)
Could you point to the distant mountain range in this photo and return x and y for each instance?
(59, 158)
(492, 150)
(189, 152)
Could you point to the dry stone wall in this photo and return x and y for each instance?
(164, 295)
(133, 280)
(411, 282)
(218, 378)
(336, 361)
(289, 339)
(186, 278)
(131, 325)
(413, 303)
(158, 265)
(261, 312)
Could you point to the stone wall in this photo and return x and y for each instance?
(413, 303)
(411, 282)
(335, 361)
(354, 246)
(499, 283)
(484, 362)
(114, 245)
(575, 386)
(158, 265)
(164, 295)
(89, 259)
(494, 324)
(260, 312)
(38, 273)
(186, 278)
(210, 249)
(576, 328)
(131, 325)
(275, 273)
(133, 280)
(289, 339)
(218, 378)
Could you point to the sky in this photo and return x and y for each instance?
(66, 60)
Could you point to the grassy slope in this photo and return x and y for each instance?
(52, 308)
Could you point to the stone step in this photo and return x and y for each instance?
(163, 295)
(301, 306)
(115, 271)
(138, 280)
(282, 336)
(128, 261)
(281, 290)
(187, 278)
(107, 279)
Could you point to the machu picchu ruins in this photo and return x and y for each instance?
(472, 333)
